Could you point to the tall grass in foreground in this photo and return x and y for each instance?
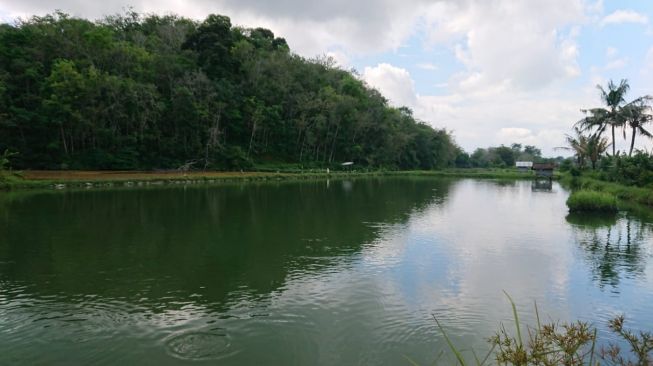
(564, 344)
(623, 192)
(586, 200)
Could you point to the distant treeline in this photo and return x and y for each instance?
(147, 92)
(502, 156)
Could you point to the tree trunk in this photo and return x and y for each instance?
(63, 138)
(251, 138)
(632, 142)
(613, 147)
(333, 144)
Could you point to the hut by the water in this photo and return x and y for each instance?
(543, 169)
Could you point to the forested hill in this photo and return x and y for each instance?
(134, 92)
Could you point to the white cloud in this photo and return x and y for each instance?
(624, 16)
(517, 44)
(427, 66)
(516, 59)
(310, 26)
(393, 82)
(340, 58)
(544, 137)
(619, 63)
(538, 118)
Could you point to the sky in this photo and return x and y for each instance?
(491, 71)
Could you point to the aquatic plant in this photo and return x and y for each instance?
(564, 344)
(586, 200)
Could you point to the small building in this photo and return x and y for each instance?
(524, 166)
(544, 169)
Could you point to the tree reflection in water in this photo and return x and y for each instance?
(615, 246)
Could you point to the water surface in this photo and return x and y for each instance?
(311, 273)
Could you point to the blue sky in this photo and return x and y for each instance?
(492, 71)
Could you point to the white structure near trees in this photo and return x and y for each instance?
(524, 166)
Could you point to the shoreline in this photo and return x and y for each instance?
(57, 179)
(628, 194)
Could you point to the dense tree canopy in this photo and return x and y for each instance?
(133, 92)
(501, 156)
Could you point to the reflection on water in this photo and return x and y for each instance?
(337, 272)
(542, 185)
(615, 246)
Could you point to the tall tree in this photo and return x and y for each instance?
(638, 114)
(577, 144)
(601, 118)
(143, 92)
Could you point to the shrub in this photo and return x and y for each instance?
(564, 344)
(636, 170)
(586, 200)
(5, 160)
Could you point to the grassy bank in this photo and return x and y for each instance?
(624, 193)
(81, 179)
(592, 201)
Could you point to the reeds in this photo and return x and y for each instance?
(586, 200)
(553, 344)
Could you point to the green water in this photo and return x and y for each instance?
(318, 273)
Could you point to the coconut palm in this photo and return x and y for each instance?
(601, 118)
(596, 146)
(637, 115)
(578, 145)
(586, 147)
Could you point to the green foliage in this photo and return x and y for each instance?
(617, 114)
(566, 165)
(504, 156)
(586, 147)
(641, 345)
(622, 192)
(636, 170)
(585, 200)
(5, 160)
(560, 344)
(143, 92)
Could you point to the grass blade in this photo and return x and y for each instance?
(478, 362)
(592, 350)
(487, 356)
(459, 356)
(514, 313)
(411, 361)
(537, 316)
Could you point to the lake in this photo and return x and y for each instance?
(340, 272)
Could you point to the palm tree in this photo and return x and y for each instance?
(578, 145)
(601, 118)
(596, 146)
(586, 147)
(637, 114)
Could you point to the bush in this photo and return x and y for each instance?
(586, 200)
(636, 170)
(5, 160)
(564, 344)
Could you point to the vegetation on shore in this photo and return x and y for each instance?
(133, 92)
(623, 192)
(90, 179)
(502, 157)
(564, 344)
(587, 200)
(590, 147)
(599, 175)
